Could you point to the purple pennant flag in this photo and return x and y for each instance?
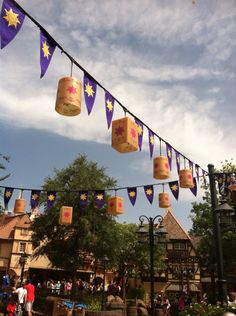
(204, 177)
(11, 21)
(99, 198)
(132, 193)
(169, 154)
(151, 142)
(34, 200)
(197, 172)
(177, 156)
(7, 196)
(148, 189)
(47, 47)
(90, 89)
(194, 188)
(190, 163)
(174, 187)
(109, 104)
(51, 197)
(140, 133)
(83, 198)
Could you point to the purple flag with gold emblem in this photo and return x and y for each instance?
(177, 156)
(132, 193)
(51, 197)
(99, 198)
(34, 199)
(174, 187)
(197, 172)
(151, 142)
(83, 199)
(47, 48)
(90, 89)
(169, 154)
(190, 163)
(7, 196)
(148, 189)
(194, 188)
(11, 21)
(140, 133)
(109, 104)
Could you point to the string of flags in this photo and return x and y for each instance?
(127, 135)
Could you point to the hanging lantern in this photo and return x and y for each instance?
(164, 200)
(69, 95)
(124, 135)
(186, 178)
(161, 168)
(66, 213)
(232, 187)
(115, 205)
(20, 204)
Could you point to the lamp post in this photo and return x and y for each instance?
(161, 234)
(22, 261)
(104, 261)
(216, 210)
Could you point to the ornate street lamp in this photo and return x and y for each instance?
(151, 233)
(22, 262)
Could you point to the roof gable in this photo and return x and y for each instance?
(173, 227)
(9, 223)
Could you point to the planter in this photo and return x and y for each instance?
(103, 313)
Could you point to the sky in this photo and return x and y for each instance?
(172, 63)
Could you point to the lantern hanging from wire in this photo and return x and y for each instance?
(20, 204)
(186, 178)
(66, 213)
(161, 168)
(164, 200)
(115, 205)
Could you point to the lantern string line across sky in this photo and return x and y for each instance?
(11, 21)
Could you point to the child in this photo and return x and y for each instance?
(11, 307)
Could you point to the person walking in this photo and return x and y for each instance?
(30, 296)
(21, 292)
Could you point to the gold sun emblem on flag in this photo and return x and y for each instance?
(11, 18)
(149, 191)
(132, 194)
(140, 130)
(109, 105)
(152, 140)
(35, 197)
(45, 50)
(89, 90)
(100, 197)
(8, 194)
(169, 153)
(51, 197)
(83, 197)
(174, 187)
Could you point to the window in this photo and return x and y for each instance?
(179, 246)
(24, 231)
(22, 247)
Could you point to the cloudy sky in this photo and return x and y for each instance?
(171, 63)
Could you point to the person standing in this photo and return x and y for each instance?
(30, 296)
(21, 292)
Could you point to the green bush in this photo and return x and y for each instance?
(206, 310)
(134, 293)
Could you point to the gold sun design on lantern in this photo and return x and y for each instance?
(100, 197)
(11, 18)
(89, 90)
(109, 105)
(149, 191)
(45, 50)
(152, 140)
(8, 194)
(83, 197)
(132, 194)
(51, 197)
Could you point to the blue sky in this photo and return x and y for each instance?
(171, 63)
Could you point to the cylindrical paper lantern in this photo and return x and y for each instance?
(232, 187)
(164, 200)
(124, 135)
(115, 205)
(186, 178)
(66, 213)
(161, 168)
(19, 206)
(69, 95)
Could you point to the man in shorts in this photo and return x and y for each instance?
(29, 297)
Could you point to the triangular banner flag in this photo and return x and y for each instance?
(47, 48)
(204, 177)
(177, 156)
(190, 163)
(148, 189)
(109, 104)
(7, 196)
(194, 188)
(174, 187)
(140, 133)
(132, 193)
(151, 142)
(34, 199)
(11, 21)
(169, 154)
(99, 198)
(83, 199)
(197, 172)
(90, 89)
(51, 197)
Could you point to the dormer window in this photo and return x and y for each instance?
(179, 246)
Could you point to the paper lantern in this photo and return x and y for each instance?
(161, 168)
(186, 179)
(124, 135)
(66, 213)
(115, 205)
(69, 95)
(19, 206)
(164, 200)
(232, 187)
